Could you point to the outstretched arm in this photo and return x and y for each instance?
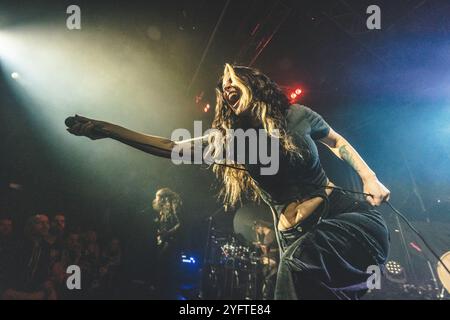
(344, 150)
(94, 129)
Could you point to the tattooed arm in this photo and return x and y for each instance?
(344, 150)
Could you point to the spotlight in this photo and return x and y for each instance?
(293, 96)
(394, 272)
(394, 267)
(298, 91)
(15, 75)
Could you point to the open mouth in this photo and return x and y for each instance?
(233, 97)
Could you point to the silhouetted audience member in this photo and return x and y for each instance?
(111, 256)
(56, 236)
(110, 269)
(6, 229)
(28, 275)
(72, 249)
(71, 255)
(6, 248)
(91, 246)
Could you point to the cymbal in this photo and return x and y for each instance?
(245, 219)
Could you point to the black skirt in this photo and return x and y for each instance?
(328, 255)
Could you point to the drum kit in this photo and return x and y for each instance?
(235, 267)
(235, 270)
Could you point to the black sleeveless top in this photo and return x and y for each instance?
(297, 177)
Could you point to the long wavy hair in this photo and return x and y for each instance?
(267, 104)
(169, 202)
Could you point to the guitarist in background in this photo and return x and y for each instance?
(167, 204)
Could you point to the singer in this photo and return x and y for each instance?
(327, 237)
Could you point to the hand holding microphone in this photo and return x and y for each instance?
(81, 126)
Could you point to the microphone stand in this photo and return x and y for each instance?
(206, 253)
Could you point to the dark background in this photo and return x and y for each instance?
(386, 91)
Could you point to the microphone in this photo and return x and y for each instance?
(70, 122)
(98, 132)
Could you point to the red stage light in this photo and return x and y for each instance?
(293, 95)
(298, 91)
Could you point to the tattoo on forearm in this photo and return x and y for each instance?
(346, 155)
